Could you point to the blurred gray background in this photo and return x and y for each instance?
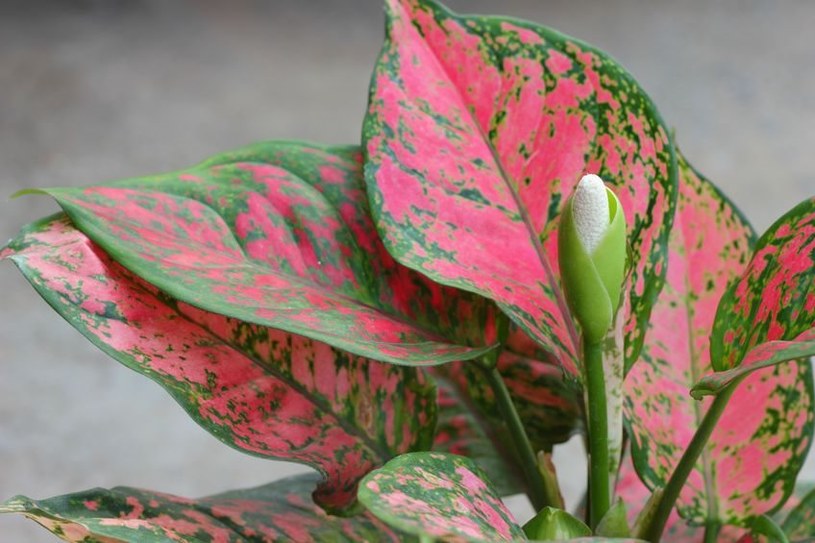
(92, 90)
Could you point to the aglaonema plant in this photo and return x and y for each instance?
(516, 252)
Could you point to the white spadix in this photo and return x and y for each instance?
(592, 255)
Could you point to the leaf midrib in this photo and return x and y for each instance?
(559, 298)
(696, 372)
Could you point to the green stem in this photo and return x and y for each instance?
(680, 475)
(537, 488)
(599, 487)
(712, 531)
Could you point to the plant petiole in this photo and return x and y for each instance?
(538, 494)
(599, 483)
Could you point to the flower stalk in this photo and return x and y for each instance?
(599, 480)
(592, 255)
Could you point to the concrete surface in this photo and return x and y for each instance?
(95, 90)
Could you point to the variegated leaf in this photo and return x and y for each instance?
(800, 523)
(461, 431)
(279, 235)
(774, 299)
(801, 493)
(602, 540)
(478, 128)
(548, 404)
(281, 511)
(765, 355)
(259, 390)
(768, 316)
(634, 494)
(277, 170)
(753, 455)
(631, 490)
(440, 496)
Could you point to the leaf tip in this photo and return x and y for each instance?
(27, 192)
(698, 392)
(17, 504)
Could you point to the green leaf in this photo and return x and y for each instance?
(765, 526)
(799, 494)
(765, 355)
(435, 495)
(280, 511)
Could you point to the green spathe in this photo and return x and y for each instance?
(593, 281)
(552, 524)
(615, 522)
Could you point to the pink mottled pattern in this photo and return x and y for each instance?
(708, 248)
(775, 298)
(280, 511)
(455, 432)
(236, 378)
(493, 228)
(486, 153)
(635, 494)
(443, 496)
(762, 356)
(197, 260)
(543, 397)
(327, 255)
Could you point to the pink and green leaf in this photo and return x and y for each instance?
(800, 523)
(303, 185)
(461, 431)
(774, 299)
(802, 490)
(441, 496)
(478, 129)
(548, 404)
(260, 390)
(635, 495)
(279, 235)
(280, 511)
(765, 355)
(602, 540)
(767, 317)
(750, 462)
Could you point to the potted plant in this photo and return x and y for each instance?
(343, 307)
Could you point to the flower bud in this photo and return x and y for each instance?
(592, 255)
